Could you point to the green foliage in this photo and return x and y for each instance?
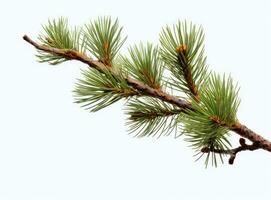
(208, 124)
(182, 50)
(58, 35)
(144, 65)
(151, 117)
(100, 89)
(104, 38)
(214, 99)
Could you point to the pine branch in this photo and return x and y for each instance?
(239, 129)
(183, 51)
(144, 89)
(207, 119)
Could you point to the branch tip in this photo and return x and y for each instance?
(181, 49)
(231, 159)
(242, 142)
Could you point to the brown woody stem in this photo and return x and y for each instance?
(245, 132)
(258, 141)
(144, 89)
(181, 50)
(233, 152)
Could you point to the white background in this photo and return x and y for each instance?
(52, 149)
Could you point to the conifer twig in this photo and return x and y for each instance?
(233, 152)
(181, 50)
(144, 89)
(258, 142)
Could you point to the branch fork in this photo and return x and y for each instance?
(233, 152)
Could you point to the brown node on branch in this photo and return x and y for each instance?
(71, 54)
(49, 40)
(236, 125)
(217, 120)
(129, 93)
(182, 49)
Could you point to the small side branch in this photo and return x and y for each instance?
(181, 50)
(245, 132)
(233, 152)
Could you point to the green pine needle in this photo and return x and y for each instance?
(58, 35)
(144, 65)
(182, 50)
(104, 39)
(151, 117)
(208, 124)
(98, 90)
